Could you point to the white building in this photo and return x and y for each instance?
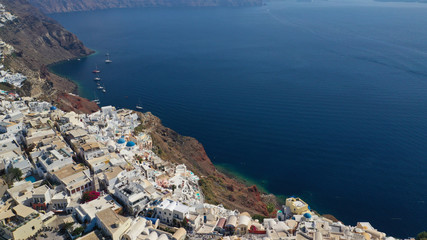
(75, 179)
(13, 160)
(86, 212)
(168, 211)
(53, 160)
(11, 127)
(60, 202)
(42, 197)
(132, 195)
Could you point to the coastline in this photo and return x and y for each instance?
(220, 171)
(68, 78)
(263, 189)
(194, 155)
(226, 171)
(77, 85)
(232, 173)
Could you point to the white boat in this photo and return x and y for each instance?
(96, 100)
(108, 59)
(100, 87)
(139, 106)
(96, 70)
(97, 78)
(104, 91)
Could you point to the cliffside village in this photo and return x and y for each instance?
(15, 79)
(78, 176)
(5, 16)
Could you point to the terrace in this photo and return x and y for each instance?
(15, 222)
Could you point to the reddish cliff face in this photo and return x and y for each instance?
(69, 102)
(55, 6)
(217, 187)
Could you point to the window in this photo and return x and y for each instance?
(33, 228)
(73, 191)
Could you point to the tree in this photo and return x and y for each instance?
(67, 226)
(173, 188)
(77, 231)
(12, 174)
(184, 223)
(422, 236)
(16, 173)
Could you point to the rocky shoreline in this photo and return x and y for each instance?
(217, 186)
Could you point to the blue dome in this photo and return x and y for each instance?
(307, 215)
(53, 108)
(130, 144)
(121, 141)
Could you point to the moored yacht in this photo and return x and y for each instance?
(139, 106)
(108, 60)
(96, 70)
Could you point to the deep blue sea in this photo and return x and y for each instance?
(325, 100)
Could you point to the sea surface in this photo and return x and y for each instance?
(326, 100)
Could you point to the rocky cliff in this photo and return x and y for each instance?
(39, 41)
(57, 6)
(217, 187)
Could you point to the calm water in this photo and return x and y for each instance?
(324, 100)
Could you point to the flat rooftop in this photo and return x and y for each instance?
(69, 170)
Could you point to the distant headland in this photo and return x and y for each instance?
(60, 6)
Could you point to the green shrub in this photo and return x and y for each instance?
(270, 207)
(77, 231)
(422, 236)
(259, 217)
